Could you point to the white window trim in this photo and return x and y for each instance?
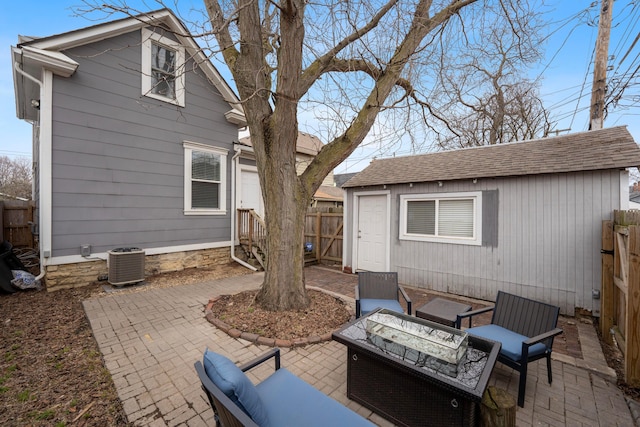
(476, 196)
(189, 147)
(148, 37)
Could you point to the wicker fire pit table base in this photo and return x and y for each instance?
(408, 393)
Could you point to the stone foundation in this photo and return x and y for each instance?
(84, 273)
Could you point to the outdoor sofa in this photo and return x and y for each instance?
(282, 399)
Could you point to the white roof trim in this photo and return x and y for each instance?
(236, 117)
(57, 62)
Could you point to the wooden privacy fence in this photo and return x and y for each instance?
(324, 231)
(620, 310)
(15, 217)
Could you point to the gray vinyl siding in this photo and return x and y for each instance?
(548, 239)
(118, 158)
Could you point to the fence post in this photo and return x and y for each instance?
(607, 297)
(318, 235)
(1, 221)
(632, 322)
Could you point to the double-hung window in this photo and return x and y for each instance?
(204, 179)
(446, 218)
(162, 68)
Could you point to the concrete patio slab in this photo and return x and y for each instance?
(151, 338)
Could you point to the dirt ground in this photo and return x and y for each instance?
(615, 360)
(52, 373)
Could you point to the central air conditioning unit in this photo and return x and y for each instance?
(126, 265)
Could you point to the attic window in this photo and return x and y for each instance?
(163, 71)
(162, 68)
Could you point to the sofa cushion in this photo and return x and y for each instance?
(290, 401)
(370, 304)
(236, 385)
(511, 341)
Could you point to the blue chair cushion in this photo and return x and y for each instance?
(370, 304)
(511, 341)
(293, 402)
(236, 385)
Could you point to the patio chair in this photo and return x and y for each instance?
(379, 290)
(525, 328)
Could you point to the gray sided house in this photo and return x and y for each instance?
(523, 217)
(133, 132)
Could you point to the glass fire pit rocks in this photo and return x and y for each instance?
(438, 347)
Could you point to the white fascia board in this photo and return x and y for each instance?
(246, 152)
(236, 117)
(99, 32)
(59, 63)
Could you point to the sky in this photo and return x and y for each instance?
(565, 73)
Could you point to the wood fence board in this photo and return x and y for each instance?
(324, 229)
(15, 218)
(632, 326)
(621, 302)
(607, 306)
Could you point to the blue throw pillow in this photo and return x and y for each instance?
(236, 385)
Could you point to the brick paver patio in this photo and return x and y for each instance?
(150, 340)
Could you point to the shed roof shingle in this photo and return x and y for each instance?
(611, 148)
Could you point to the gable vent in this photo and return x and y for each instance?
(126, 265)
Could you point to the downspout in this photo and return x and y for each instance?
(234, 159)
(20, 71)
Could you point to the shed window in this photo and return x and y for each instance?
(447, 218)
(205, 179)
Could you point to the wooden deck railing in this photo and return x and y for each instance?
(252, 233)
(322, 229)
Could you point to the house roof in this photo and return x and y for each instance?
(324, 192)
(306, 144)
(611, 148)
(340, 178)
(32, 53)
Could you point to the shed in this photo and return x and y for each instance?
(522, 217)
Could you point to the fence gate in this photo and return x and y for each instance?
(620, 310)
(15, 217)
(324, 231)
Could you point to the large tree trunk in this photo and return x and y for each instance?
(285, 199)
(283, 287)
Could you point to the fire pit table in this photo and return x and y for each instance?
(415, 372)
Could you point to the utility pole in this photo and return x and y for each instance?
(598, 90)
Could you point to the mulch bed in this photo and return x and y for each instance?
(51, 371)
(324, 315)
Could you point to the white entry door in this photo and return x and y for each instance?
(372, 233)
(250, 194)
